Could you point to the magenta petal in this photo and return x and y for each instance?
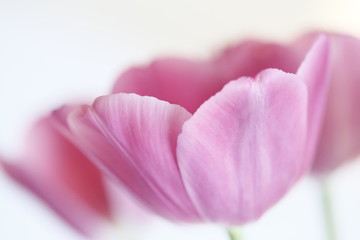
(178, 81)
(242, 149)
(133, 138)
(55, 170)
(314, 70)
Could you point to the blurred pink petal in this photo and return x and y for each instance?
(340, 136)
(134, 139)
(58, 173)
(177, 81)
(242, 149)
(250, 57)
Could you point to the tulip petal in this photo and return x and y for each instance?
(59, 174)
(250, 57)
(314, 70)
(133, 139)
(340, 136)
(177, 81)
(241, 151)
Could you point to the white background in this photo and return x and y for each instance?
(52, 52)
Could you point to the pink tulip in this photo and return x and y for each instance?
(194, 147)
(59, 174)
(340, 135)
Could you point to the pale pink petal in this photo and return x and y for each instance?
(340, 137)
(314, 70)
(133, 139)
(178, 81)
(303, 44)
(242, 149)
(59, 174)
(250, 57)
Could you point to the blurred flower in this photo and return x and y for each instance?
(340, 136)
(59, 174)
(198, 147)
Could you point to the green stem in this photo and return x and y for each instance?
(327, 210)
(234, 233)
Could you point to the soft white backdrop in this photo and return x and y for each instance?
(52, 52)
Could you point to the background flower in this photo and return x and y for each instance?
(57, 172)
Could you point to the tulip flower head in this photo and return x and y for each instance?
(194, 147)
